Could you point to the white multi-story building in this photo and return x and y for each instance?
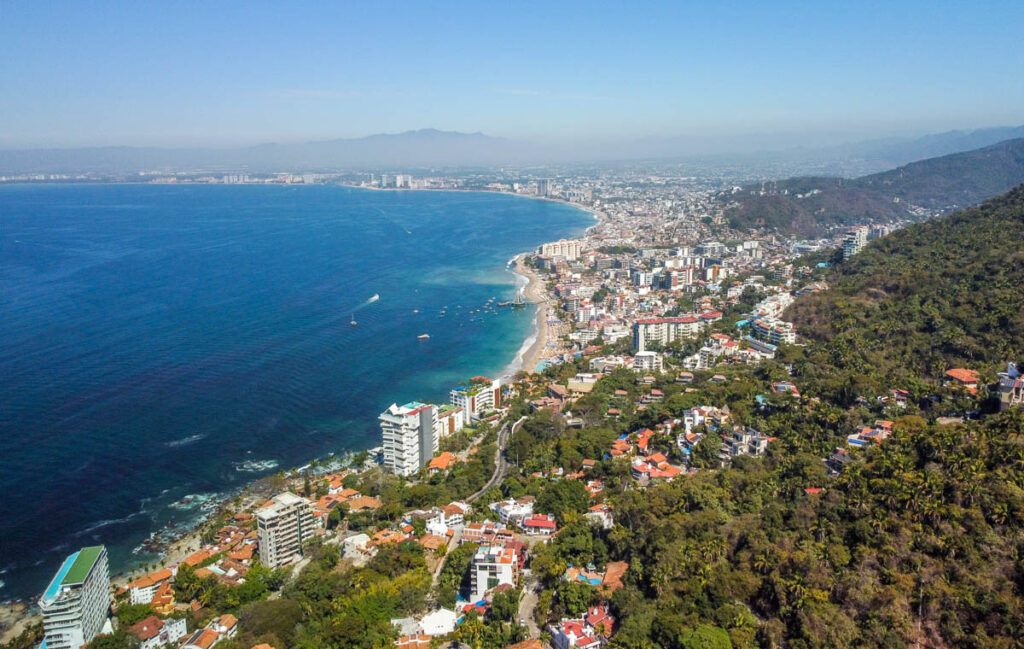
(854, 241)
(742, 441)
(449, 420)
(479, 396)
(663, 330)
(569, 249)
(410, 435)
(282, 527)
(773, 330)
(647, 362)
(492, 567)
(154, 633)
(76, 602)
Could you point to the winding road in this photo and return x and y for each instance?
(500, 463)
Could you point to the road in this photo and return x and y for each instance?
(500, 463)
(531, 590)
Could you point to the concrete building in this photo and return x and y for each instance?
(76, 602)
(854, 241)
(569, 249)
(153, 632)
(663, 331)
(410, 435)
(742, 441)
(543, 187)
(646, 362)
(773, 330)
(1011, 387)
(282, 527)
(449, 420)
(493, 566)
(479, 396)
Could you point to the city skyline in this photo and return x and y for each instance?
(187, 75)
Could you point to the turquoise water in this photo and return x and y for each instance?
(161, 346)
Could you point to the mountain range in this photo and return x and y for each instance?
(429, 148)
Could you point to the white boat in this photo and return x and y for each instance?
(423, 336)
(353, 321)
(375, 297)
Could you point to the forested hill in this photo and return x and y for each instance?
(949, 292)
(809, 206)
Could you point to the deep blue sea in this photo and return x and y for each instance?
(160, 342)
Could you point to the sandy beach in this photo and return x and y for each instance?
(535, 292)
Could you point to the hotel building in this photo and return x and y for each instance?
(569, 249)
(480, 396)
(76, 603)
(410, 436)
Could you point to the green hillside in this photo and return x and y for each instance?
(949, 292)
(810, 206)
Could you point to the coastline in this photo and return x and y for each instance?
(19, 611)
(535, 292)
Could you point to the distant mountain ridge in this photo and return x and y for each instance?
(423, 147)
(810, 206)
(430, 148)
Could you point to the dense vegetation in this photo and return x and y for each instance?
(938, 184)
(935, 295)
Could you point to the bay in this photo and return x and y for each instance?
(161, 342)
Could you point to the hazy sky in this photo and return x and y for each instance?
(179, 73)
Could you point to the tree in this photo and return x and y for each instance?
(278, 617)
(505, 605)
(335, 517)
(705, 637)
(117, 640)
(563, 497)
(575, 597)
(129, 614)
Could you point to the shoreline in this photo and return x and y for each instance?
(534, 291)
(16, 613)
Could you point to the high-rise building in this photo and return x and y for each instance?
(282, 527)
(854, 241)
(479, 396)
(543, 187)
(410, 436)
(76, 603)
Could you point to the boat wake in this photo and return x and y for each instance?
(185, 441)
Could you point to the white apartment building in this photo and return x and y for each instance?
(647, 362)
(773, 330)
(492, 567)
(282, 527)
(76, 602)
(449, 420)
(854, 241)
(479, 396)
(410, 435)
(742, 441)
(663, 330)
(567, 248)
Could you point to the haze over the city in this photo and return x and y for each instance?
(739, 76)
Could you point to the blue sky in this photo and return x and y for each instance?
(180, 73)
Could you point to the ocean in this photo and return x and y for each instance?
(161, 346)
